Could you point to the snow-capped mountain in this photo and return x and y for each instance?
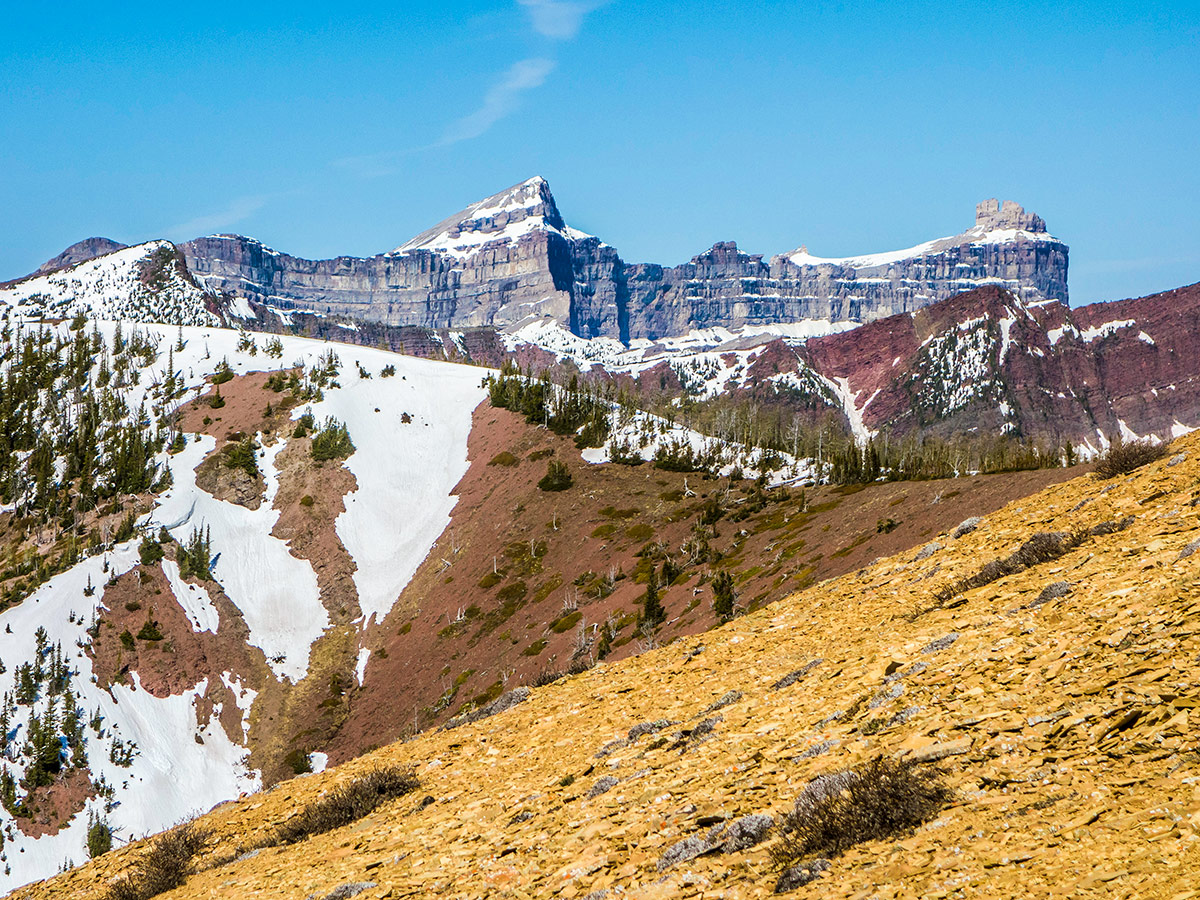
(511, 258)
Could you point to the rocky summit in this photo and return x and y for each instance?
(1038, 664)
(512, 258)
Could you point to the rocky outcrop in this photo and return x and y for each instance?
(511, 258)
(88, 248)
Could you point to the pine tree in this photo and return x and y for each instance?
(723, 596)
(653, 612)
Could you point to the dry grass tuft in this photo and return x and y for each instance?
(879, 799)
(165, 866)
(348, 803)
(1121, 459)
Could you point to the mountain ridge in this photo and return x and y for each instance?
(511, 258)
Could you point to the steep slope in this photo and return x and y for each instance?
(1058, 700)
(149, 282)
(527, 584)
(988, 360)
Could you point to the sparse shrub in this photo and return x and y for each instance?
(150, 631)
(223, 372)
(348, 803)
(535, 648)
(307, 500)
(503, 458)
(642, 531)
(878, 800)
(298, 761)
(241, 455)
(127, 640)
(653, 612)
(165, 866)
(149, 551)
(304, 425)
(1043, 546)
(566, 622)
(512, 593)
(557, 478)
(387, 371)
(195, 557)
(1121, 459)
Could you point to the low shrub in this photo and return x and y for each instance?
(1044, 546)
(557, 478)
(348, 803)
(503, 458)
(165, 866)
(1121, 459)
(149, 551)
(880, 799)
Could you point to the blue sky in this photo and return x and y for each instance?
(662, 127)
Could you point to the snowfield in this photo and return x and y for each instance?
(171, 777)
(406, 473)
(276, 592)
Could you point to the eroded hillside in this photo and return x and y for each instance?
(1056, 692)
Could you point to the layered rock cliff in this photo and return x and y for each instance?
(511, 258)
(499, 261)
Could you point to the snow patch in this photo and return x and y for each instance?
(196, 602)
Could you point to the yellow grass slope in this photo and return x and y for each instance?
(1067, 729)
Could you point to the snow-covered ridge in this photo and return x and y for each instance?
(140, 282)
(976, 235)
(697, 346)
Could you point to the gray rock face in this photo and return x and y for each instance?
(500, 261)
(88, 248)
(512, 257)
(1006, 247)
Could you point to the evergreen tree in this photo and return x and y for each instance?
(653, 612)
(723, 596)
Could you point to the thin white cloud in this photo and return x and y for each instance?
(501, 100)
(559, 19)
(240, 209)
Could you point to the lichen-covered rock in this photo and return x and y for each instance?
(801, 874)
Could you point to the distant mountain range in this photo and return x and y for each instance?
(512, 257)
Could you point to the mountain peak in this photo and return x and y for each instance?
(82, 251)
(508, 214)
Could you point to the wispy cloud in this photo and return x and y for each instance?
(240, 209)
(375, 165)
(559, 19)
(501, 100)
